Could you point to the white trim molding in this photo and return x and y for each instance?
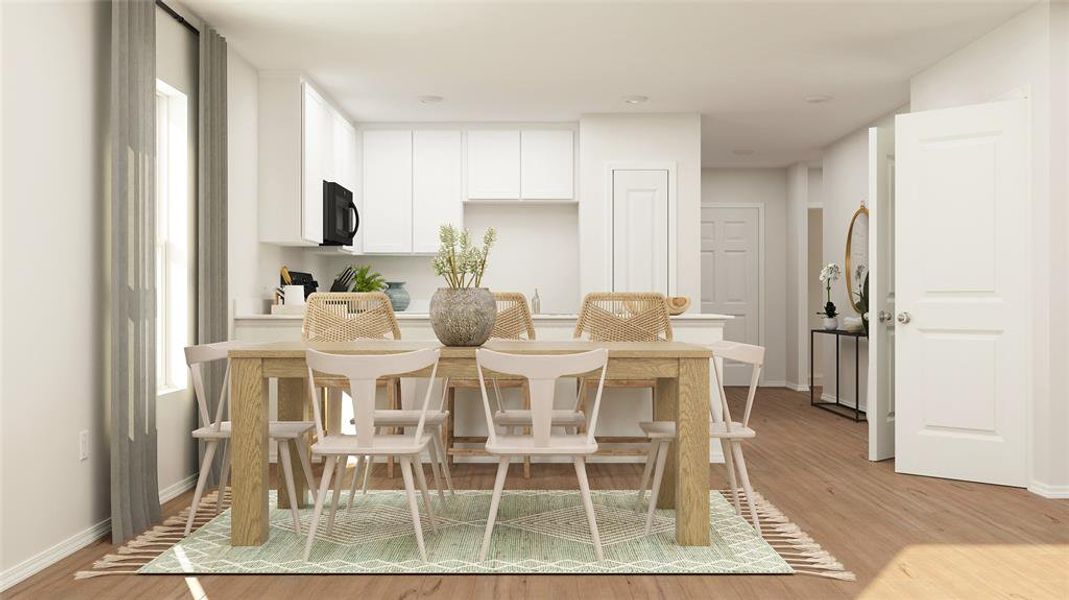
(1057, 492)
(50, 556)
(178, 488)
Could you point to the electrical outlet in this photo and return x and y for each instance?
(83, 445)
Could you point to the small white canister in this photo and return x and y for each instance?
(293, 295)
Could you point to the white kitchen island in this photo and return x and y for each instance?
(622, 409)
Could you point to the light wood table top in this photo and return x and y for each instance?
(616, 349)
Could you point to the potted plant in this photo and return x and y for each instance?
(463, 313)
(366, 280)
(828, 274)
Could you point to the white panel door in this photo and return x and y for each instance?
(387, 167)
(547, 165)
(962, 215)
(880, 411)
(318, 145)
(436, 186)
(640, 231)
(494, 165)
(730, 263)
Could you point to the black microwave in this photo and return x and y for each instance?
(340, 217)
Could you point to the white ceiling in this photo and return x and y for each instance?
(746, 67)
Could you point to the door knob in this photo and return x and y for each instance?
(904, 317)
(884, 316)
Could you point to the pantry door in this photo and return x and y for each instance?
(963, 292)
(641, 236)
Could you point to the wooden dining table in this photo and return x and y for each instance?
(682, 395)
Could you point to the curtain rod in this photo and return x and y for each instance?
(178, 17)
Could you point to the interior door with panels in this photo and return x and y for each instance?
(730, 266)
(880, 405)
(640, 234)
(962, 289)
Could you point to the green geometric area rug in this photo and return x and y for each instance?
(538, 531)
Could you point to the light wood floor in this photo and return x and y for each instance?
(904, 536)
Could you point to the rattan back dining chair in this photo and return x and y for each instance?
(347, 317)
(513, 322)
(623, 317)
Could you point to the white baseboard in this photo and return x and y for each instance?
(49, 557)
(797, 387)
(177, 489)
(1049, 491)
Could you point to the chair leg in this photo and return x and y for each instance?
(287, 470)
(421, 479)
(736, 449)
(444, 456)
(436, 467)
(406, 473)
(306, 466)
(367, 472)
(729, 464)
(321, 498)
(339, 475)
(651, 457)
(223, 477)
(658, 473)
(495, 500)
(356, 481)
(205, 468)
(526, 430)
(588, 504)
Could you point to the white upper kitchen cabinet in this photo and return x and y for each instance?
(494, 165)
(302, 141)
(547, 164)
(436, 186)
(387, 192)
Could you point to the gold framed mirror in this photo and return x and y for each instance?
(857, 255)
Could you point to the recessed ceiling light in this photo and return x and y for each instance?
(743, 151)
(430, 99)
(818, 98)
(636, 99)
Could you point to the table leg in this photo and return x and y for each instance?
(666, 398)
(450, 405)
(293, 406)
(248, 397)
(692, 459)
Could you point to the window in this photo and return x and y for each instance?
(172, 237)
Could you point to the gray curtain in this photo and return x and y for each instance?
(212, 319)
(135, 502)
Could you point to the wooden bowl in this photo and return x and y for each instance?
(677, 305)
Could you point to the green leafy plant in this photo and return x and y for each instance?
(366, 280)
(460, 262)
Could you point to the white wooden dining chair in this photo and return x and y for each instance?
(541, 373)
(216, 431)
(362, 371)
(730, 433)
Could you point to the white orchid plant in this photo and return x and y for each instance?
(460, 262)
(831, 272)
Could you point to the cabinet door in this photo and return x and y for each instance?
(436, 186)
(317, 146)
(387, 218)
(344, 139)
(546, 165)
(494, 165)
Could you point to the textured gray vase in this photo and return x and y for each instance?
(398, 295)
(463, 317)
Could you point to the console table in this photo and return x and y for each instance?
(837, 407)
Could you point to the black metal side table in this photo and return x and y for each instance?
(837, 407)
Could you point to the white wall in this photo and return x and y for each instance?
(797, 240)
(768, 188)
(55, 105)
(665, 138)
(177, 65)
(815, 295)
(253, 267)
(1014, 61)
